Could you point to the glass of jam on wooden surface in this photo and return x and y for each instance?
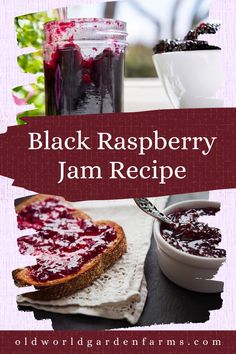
(84, 66)
(190, 253)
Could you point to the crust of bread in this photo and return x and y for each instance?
(58, 288)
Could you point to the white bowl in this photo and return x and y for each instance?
(192, 272)
(191, 78)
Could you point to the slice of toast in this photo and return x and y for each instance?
(91, 270)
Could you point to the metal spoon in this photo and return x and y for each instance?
(145, 205)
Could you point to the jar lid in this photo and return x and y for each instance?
(80, 29)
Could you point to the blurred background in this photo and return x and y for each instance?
(147, 22)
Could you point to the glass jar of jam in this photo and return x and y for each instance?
(84, 66)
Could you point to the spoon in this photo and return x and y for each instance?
(145, 205)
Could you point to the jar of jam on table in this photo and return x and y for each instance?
(84, 66)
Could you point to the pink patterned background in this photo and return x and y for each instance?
(11, 76)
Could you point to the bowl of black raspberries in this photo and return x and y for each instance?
(190, 69)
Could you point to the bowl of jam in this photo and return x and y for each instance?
(190, 252)
(190, 69)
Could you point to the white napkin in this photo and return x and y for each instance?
(120, 292)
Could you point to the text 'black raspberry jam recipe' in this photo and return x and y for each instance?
(84, 66)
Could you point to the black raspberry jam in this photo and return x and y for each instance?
(190, 41)
(64, 243)
(84, 66)
(48, 213)
(193, 236)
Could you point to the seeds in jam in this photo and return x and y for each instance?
(50, 212)
(64, 243)
(192, 236)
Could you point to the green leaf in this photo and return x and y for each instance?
(29, 30)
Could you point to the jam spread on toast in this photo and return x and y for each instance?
(63, 242)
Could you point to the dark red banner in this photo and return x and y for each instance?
(123, 155)
(60, 342)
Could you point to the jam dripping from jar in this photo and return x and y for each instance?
(78, 85)
(84, 66)
(63, 243)
(192, 236)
